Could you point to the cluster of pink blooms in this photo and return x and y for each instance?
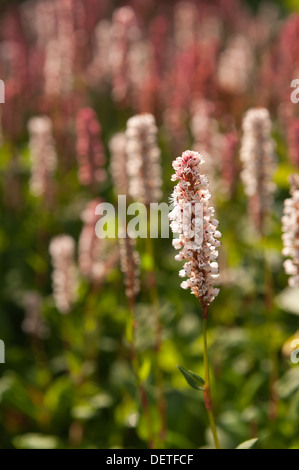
(290, 228)
(235, 67)
(143, 159)
(129, 263)
(118, 163)
(99, 68)
(259, 164)
(33, 323)
(124, 32)
(96, 257)
(64, 276)
(293, 141)
(43, 156)
(59, 50)
(90, 150)
(159, 63)
(14, 72)
(281, 64)
(198, 249)
(207, 138)
(188, 65)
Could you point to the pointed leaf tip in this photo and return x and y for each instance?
(250, 444)
(193, 379)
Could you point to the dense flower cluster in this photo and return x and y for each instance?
(124, 32)
(99, 67)
(118, 163)
(143, 159)
(258, 159)
(43, 156)
(207, 137)
(236, 66)
(64, 276)
(96, 256)
(293, 141)
(33, 323)
(198, 242)
(90, 150)
(59, 34)
(129, 263)
(290, 228)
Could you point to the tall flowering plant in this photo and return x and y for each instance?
(144, 186)
(43, 157)
(64, 276)
(290, 228)
(192, 218)
(130, 266)
(259, 164)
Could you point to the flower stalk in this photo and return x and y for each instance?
(144, 185)
(193, 219)
(207, 391)
(129, 261)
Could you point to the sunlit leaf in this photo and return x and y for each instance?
(145, 369)
(36, 441)
(288, 300)
(250, 444)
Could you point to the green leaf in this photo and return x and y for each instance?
(14, 393)
(129, 329)
(145, 370)
(248, 444)
(194, 380)
(288, 384)
(288, 300)
(147, 262)
(36, 441)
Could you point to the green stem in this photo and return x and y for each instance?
(141, 389)
(268, 299)
(161, 402)
(207, 391)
